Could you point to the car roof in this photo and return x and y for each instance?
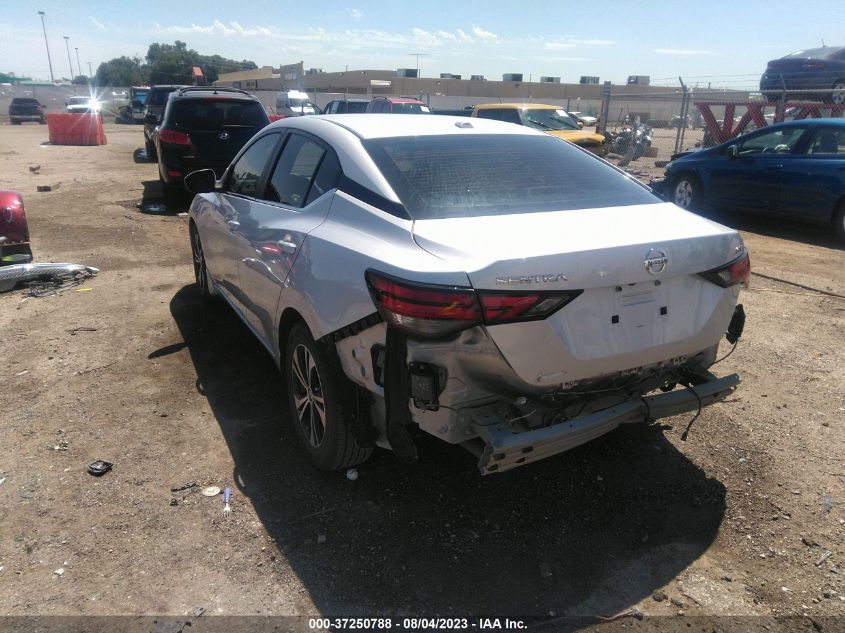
(816, 53)
(188, 92)
(399, 99)
(352, 100)
(368, 126)
(517, 106)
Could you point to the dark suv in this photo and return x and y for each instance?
(156, 98)
(203, 128)
(26, 109)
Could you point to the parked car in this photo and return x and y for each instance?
(14, 231)
(81, 105)
(203, 127)
(584, 119)
(294, 103)
(794, 169)
(156, 99)
(482, 281)
(133, 110)
(547, 118)
(812, 70)
(397, 105)
(26, 109)
(346, 106)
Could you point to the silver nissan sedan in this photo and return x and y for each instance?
(491, 285)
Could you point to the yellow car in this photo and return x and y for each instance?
(550, 119)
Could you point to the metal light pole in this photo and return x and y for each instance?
(69, 63)
(418, 55)
(90, 72)
(49, 61)
(78, 65)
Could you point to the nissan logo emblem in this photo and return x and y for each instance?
(656, 261)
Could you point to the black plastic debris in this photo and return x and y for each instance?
(99, 468)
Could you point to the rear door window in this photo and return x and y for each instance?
(295, 171)
(249, 169)
(827, 140)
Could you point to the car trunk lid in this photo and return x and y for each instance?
(642, 302)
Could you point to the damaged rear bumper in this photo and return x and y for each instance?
(504, 449)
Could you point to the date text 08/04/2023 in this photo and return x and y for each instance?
(418, 624)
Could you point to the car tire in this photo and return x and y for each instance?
(151, 151)
(686, 192)
(321, 402)
(15, 121)
(170, 193)
(837, 95)
(839, 221)
(201, 274)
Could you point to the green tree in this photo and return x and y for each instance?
(122, 71)
(173, 64)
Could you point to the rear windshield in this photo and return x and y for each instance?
(24, 101)
(410, 108)
(159, 97)
(210, 114)
(356, 106)
(473, 175)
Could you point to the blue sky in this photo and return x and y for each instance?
(723, 42)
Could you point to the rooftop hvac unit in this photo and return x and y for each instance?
(406, 72)
(585, 79)
(512, 77)
(477, 78)
(549, 80)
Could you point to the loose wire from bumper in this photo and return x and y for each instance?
(728, 354)
(697, 413)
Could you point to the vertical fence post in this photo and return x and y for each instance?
(682, 124)
(605, 108)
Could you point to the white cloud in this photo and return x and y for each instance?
(97, 23)
(680, 51)
(572, 42)
(355, 13)
(217, 28)
(483, 35)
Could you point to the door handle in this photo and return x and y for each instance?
(287, 246)
(233, 225)
(774, 167)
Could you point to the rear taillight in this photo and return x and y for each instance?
(430, 311)
(177, 138)
(422, 309)
(507, 307)
(730, 274)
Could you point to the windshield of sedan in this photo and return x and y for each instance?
(545, 120)
(474, 175)
(80, 101)
(302, 105)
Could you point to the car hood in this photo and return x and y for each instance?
(578, 137)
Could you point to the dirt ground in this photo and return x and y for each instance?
(129, 367)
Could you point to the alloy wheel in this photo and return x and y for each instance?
(199, 263)
(683, 193)
(308, 395)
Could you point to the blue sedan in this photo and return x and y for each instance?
(794, 169)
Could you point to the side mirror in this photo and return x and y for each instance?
(201, 181)
(733, 152)
(151, 119)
